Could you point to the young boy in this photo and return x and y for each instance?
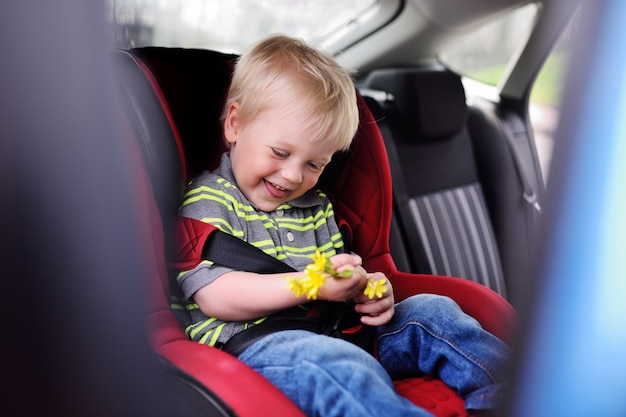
(289, 109)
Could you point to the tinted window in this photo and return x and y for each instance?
(484, 53)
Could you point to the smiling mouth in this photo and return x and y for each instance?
(276, 190)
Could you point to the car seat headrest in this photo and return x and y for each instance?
(194, 83)
(431, 102)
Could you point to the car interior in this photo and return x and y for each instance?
(457, 177)
(468, 185)
(159, 85)
(453, 201)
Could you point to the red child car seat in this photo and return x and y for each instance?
(175, 97)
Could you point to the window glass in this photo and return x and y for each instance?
(483, 53)
(232, 25)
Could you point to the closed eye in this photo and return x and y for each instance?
(316, 166)
(280, 153)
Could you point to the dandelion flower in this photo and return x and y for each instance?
(321, 263)
(375, 288)
(315, 276)
(295, 285)
(312, 283)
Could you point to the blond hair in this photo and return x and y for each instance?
(286, 73)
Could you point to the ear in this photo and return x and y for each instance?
(231, 123)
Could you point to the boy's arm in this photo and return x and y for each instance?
(242, 296)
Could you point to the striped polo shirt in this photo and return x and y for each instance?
(291, 233)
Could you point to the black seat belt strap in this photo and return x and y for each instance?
(227, 250)
(519, 144)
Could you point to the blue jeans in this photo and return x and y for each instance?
(428, 335)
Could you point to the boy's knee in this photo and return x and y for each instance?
(438, 313)
(429, 304)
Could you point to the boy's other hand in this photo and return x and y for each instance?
(378, 311)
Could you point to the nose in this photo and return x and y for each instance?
(292, 172)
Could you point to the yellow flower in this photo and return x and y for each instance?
(315, 276)
(321, 263)
(375, 288)
(311, 284)
(295, 285)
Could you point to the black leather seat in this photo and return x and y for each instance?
(458, 199)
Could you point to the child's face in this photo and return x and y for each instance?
(274, 160)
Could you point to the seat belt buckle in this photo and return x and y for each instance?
(531, 198)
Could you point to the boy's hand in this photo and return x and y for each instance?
(379, 310)
(343, 289)
(345, 261)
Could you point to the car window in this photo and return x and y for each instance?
(483, 56)
(230, 26)
(484, 53)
